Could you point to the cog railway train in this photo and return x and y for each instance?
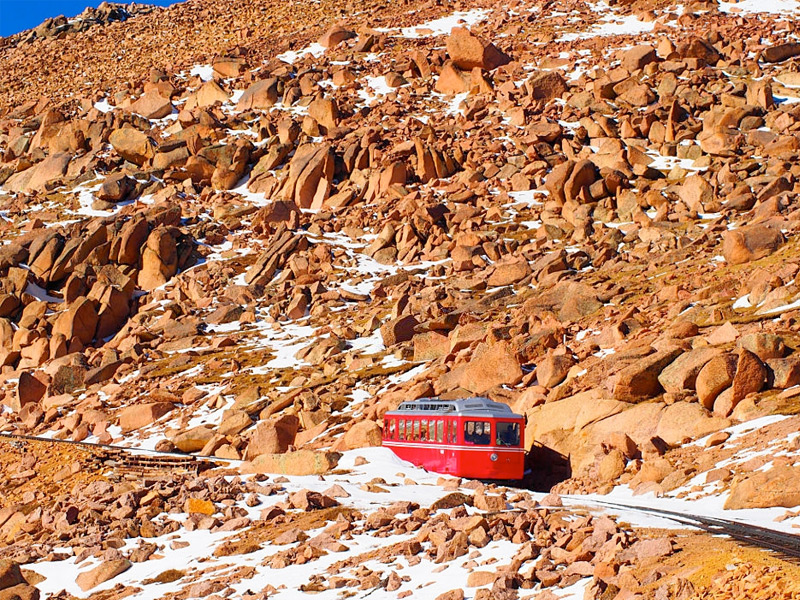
(471, 437)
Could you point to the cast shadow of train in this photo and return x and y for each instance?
(544, 468)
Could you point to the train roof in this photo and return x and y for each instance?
(478, 407)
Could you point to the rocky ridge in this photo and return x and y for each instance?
(60, 26)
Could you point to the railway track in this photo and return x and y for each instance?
(785, 544)
(131, 462)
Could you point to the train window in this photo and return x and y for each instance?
(507, 434)
(392, 428)
(416, 431)
(424, 431)
(477, 432)
(401, 429)
(453, 432)
(440, 431)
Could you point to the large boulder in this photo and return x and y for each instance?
(45, 259)
(105, 571)
(10, 574)
(335, 35)
(30, 390)
(23, 591)
(466, 334)
(687, 420)
(639, 380)
(236, 422)
(639, 422)
(193, 440)
(553, 369)
(696, 193)
(302, 462)
(751, 376)
(468, 51)
(209, 94)
(583, 175)
(114, 303)
(577, 425)
(132, 145)
(226, 67)
(716, 375)
(763, 345)
(570, 415)
(261, 95)
(398, 330)
(784, 372)
(142, 415)
(508, 271)
(325, 112)
(781, 52)
(12, 254)
(750, 243)
(556, 180)
(681, 374)
(78, 321)
(570, 300)
(780, 486)
(127, 246)
(430, 345)
(451, 81)
(491, 365)
(697, 47)
(363, 434)
(273, 436)
(38, 177)
(8, 305)
(579, 305)
(159, 259)
(546, 85)
(152, 105)
(638, 57)
(310, 178)
(116, 188)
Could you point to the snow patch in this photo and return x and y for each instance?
(291, 56)
(441, 26)
(777, 7)
(103, 106)
(610, 24)
(204, 72)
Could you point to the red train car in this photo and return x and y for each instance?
(471, 437)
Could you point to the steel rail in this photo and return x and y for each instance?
(756, 535)
(188, 457)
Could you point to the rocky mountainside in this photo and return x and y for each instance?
(61, 26)
(245, 230)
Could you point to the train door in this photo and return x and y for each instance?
(438, 449)
(451, 441)
(510, 461)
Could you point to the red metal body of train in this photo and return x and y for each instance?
(470, 437)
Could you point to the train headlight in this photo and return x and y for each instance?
(493, 456)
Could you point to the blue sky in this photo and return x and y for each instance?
(19, 15)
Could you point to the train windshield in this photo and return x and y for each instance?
(507, 434)
(478, 432)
